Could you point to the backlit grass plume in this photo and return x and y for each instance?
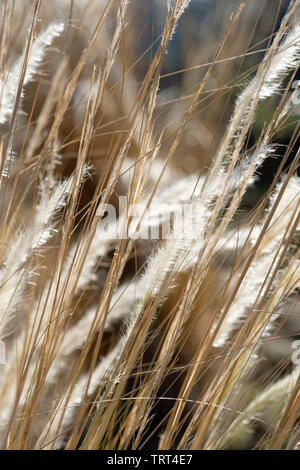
(142, 295)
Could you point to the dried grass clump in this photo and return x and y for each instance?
(125, 342)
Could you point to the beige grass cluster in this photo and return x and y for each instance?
(128, 343)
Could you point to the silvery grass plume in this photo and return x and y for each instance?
(13, 275)
(10, 83)
(177, 16)
(16, 275)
